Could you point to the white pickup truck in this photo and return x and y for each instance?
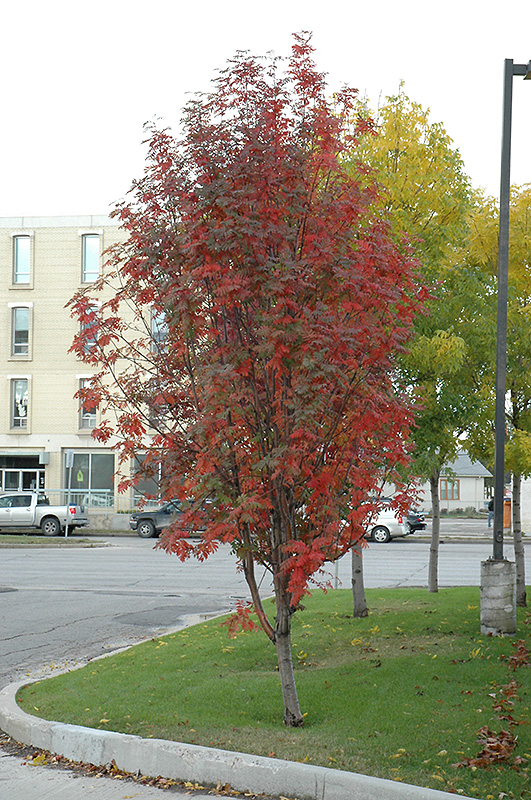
(24, 510)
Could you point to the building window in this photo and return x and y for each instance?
(20, 322)
(161, 406)
(90, 246)
(21, 259)
(449, 489)
(159, 330)
(92, 479)
(147, 478)
(89, 329)
(21, 473)
(87, 408)
(19, 403)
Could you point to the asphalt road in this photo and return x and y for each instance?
(67, 605)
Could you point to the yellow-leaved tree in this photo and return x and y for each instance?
(484, 250)
(425, 187)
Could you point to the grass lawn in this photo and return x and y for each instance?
(401, 694)
(30, 540)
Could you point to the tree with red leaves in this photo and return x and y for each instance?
(247, 329)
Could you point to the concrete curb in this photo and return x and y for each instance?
(203, 765)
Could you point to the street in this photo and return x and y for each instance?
(64, 605)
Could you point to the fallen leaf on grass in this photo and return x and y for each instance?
(497, 747)
(401, 752)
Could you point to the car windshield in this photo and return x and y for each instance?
(173, 505)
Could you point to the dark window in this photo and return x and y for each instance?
(21, 501)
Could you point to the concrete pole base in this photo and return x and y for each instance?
(498, 597)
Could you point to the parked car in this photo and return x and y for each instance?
(390, 524)
(151, 522)
(415, 521)
(26, 510)
(387, 525)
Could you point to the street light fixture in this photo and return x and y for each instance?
(503, 283)
(498, 576)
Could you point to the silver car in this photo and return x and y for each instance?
(388, 525)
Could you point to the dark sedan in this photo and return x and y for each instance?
(415, 521)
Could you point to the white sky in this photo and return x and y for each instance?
(80, 77)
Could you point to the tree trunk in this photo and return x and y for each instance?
(280, 635)
(292, 712)
(433, 568)
(519, 554)
(248, 571)
(358, 589)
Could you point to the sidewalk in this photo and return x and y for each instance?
(454, 529)
(20, 780)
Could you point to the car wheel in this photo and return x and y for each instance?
(380, 534)
(50, 526)
(409, 529)
(146, 529)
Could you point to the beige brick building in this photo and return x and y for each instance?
(43, 262)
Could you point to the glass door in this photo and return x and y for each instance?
(32, 479)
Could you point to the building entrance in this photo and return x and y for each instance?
(21, 473)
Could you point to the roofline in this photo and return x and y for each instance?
(81, 220)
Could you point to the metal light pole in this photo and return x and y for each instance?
(498, 576)
(503, 282)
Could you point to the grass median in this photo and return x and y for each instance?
(401, 694)
(30, 540)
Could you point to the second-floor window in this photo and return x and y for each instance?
(20, 326)
(159, 331)
(21, 259)
(90, 246)
(87, 409)
(19, 403)
(89, 329)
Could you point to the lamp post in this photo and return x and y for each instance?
(498, 576)
(503, 282)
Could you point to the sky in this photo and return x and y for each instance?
(80, 79)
